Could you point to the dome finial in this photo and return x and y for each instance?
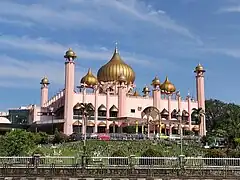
(89, 71)
(188, 94)
(116, 48)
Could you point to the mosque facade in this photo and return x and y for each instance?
(115, 104)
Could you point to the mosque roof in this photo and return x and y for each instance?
(114, 69)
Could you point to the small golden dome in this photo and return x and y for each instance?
(89, 79)
(45, 81)
(70, 54)
(122, 79)
(146, 90)
(136, 93)
(114, 68)
(167, 87)
(156, 82)
(199, 68)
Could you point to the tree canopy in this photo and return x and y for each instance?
(223, 119)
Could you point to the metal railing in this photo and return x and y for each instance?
(122, 162)
(16, 161)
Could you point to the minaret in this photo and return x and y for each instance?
(199, 70)
(179, 99)
(44, 91)
(156, 93)
(70, 56)
(122, 96)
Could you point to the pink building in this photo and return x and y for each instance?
(116, 104)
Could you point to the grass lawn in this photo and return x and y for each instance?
(107, 148)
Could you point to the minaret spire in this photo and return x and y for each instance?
(116, 48)
(188, 93)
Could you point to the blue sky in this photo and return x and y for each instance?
(156, 37)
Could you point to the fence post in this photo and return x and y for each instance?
(131, 159)
(36, 159)
(182, 161)
(83, 163)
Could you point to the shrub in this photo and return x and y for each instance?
(215, 153)
(118, 153)
(38, 151)
(41, 138)
(18, 143)
(59, 137)
(208, 140)
(151, 153)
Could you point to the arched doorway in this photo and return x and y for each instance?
(153, 119)
(101, 127)
(113, 127)
(77, 127)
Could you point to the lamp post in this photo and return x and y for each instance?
(181, 132)
(160, 125)
(85, 131)
(85, 109)
(51, 113)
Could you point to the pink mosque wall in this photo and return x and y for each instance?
(132, 103)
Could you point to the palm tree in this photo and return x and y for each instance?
(86, 109)
(197, 114)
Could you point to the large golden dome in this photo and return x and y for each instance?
(114, 68)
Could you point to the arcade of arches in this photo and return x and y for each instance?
(152, 121)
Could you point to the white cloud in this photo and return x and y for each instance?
(230, 6)
(230, 9)
(27, 74)
(109, 15)
(53, 49)
(53, 66)
(115, 16)
(235, 53)
(15, 22)
(31, 70)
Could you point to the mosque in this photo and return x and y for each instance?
(114, 103)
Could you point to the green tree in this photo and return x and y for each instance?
(18, 143)
(59, 137)
(196, 115)
(214, 113)
(223, 120)
(41, 138)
